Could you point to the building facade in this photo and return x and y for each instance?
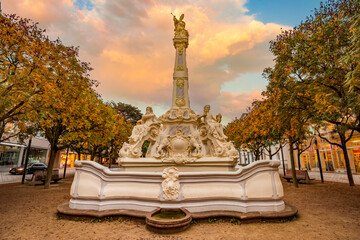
(331, 156)
(13, 153)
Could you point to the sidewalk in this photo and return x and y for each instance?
(330, 176)
(334, 177)
(6, 177)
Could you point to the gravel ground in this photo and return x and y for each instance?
(326, 211)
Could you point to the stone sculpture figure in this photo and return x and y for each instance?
(148, 129)
(139, 131)
(214, 126)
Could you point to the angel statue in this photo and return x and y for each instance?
(179, 24)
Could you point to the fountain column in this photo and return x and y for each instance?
(180, 97)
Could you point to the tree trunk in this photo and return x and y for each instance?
(298, 159)
(53, 151)
(282, 156)
(270, 156)
(347, 160)
(99, 160)
(26, 160)
(319, 160)
(257, 155)
(292, 160)
(67, 155)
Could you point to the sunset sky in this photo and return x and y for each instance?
(129, 45)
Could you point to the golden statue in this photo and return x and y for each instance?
(179, 24)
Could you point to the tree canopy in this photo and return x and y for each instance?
(44, 84)
(314, 83)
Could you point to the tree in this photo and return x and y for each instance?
(60, 108)
(312, 55)
(109, 135)
(352, 59)
(122, 131)
(130, 113)
(287, 99)
(238, 131)
(24, 54)
(300, 148)
(255, 131)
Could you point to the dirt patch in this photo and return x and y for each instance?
(326, 211)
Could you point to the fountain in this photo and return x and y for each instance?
(189, 166)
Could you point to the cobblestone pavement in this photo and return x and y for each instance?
(6, 177)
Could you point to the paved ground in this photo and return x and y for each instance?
(331, 177)
(6, 177)
(326, 211)
(334, 177)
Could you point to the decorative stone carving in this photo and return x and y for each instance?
(179, 149)
(147, 130)
(171, 184)
(180, 68)
(181, 49)
(180, 101)
(180, 82)
(211, 132)
(184, 115)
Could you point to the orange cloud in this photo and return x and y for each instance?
(129, 45)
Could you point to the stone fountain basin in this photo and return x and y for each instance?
(168, 219)
(254, 188)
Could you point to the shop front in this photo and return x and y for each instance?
(72, 157)
(354, 152)
(332, 157)
(10, 155)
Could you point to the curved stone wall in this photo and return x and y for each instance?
(256, 187)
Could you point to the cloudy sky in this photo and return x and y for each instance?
(129, 45)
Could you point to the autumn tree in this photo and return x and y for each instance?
(328, 33)
(109, 134)
(96, 120)
(23, 58)
(311, 58)
(288, 101)
(238, 132)
(255, 131)
(121, 133)
(60, 108)
(352, 59)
